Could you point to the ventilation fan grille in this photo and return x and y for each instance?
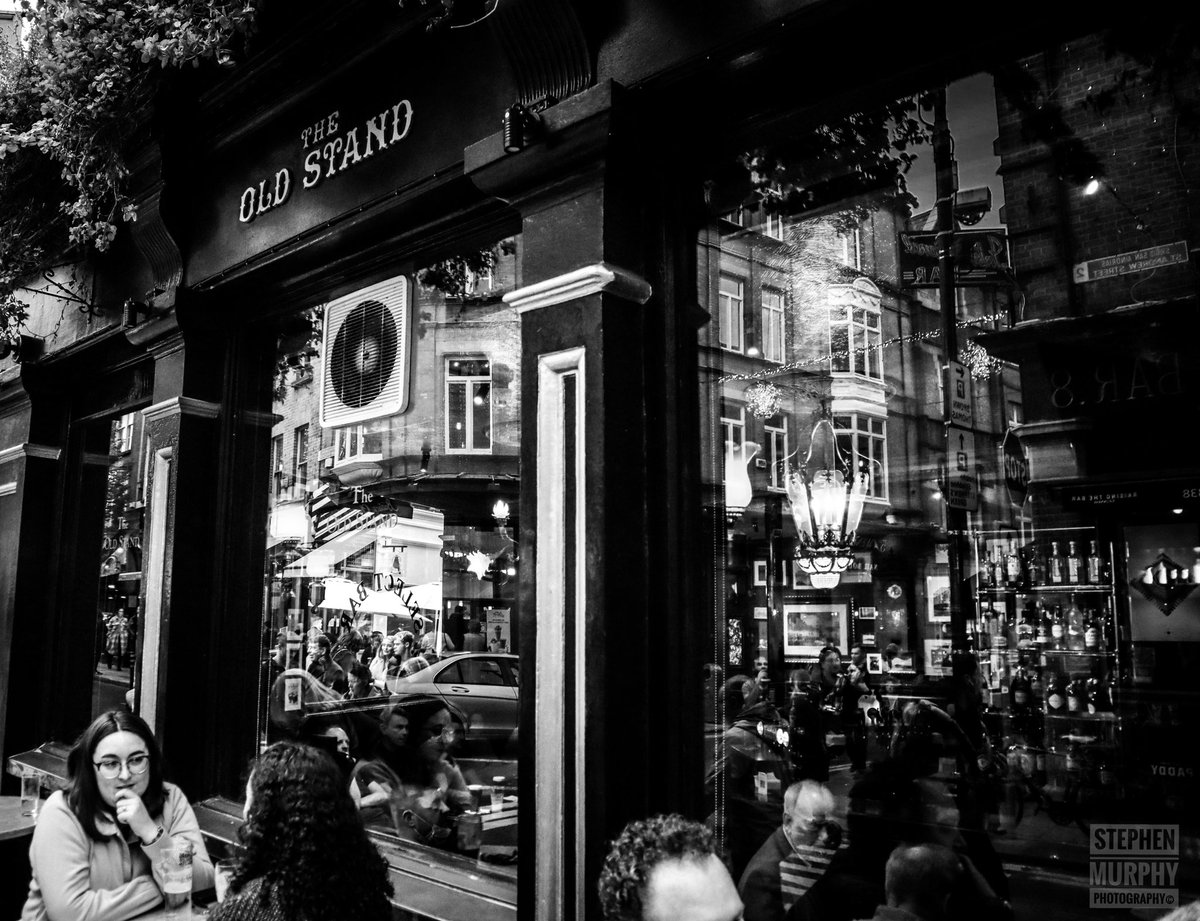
(365, 366)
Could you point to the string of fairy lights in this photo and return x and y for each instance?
(764, 399)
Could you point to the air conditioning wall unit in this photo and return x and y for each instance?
(366, 354)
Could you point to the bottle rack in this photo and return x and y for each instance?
(1047, 639)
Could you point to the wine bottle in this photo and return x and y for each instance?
(1042, 621)
(1057, 628)
(1020, 695)
(1076, 568)
(1054, 565)
(1056, 694)
(1075, 626)
(1096, 570)
(1012, 567)
(1026, 631)
(1091, 631)
(1076, 695)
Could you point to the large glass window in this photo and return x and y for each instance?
(984, 643)
(390, 614)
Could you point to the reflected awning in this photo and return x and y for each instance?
(320, 562)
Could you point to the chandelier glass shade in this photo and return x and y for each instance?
(738, 490)
(827, 505)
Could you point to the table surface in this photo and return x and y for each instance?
(12, 823)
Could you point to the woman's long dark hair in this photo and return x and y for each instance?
(83, 793)
(306, 843)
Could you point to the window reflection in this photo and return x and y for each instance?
(390, 616)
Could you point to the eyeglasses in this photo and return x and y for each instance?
(110, 768)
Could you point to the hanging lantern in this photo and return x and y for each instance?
(764, 400)
(827, 506)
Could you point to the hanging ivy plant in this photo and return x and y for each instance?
(72, 92)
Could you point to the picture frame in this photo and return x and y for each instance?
(874, 663)
(937, 599)
(809, 627)
(760, 572)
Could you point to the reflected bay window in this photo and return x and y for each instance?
(861, 437)
(854, 340)
(776, 429)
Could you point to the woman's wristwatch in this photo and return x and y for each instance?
(157, 836)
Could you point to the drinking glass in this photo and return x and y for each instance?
(31, 793)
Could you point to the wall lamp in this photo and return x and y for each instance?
(520, 127)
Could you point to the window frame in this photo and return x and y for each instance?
(851, 436)
(726, 321)
(777, 451)
(467, 380)
(300, 436)
(773, 321)
(863, 341)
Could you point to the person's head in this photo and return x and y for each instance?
(116, 752)
(440, 731)
(393, 725)
(807, 806)
(829, 663)
(301, 830)
(418, 813)
(341, 740)
(666, 867)
(858, 656)
(890, 651)
(376, 639)
(919, 877)
(318, 648)
(459, 609)
(360, 680)
(406, 642)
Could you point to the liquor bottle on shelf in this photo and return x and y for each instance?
(1035, 567)
(1091, 631)
(1042, 622)
(1097, 696)
(1097, 567)
(1075, 626)
(1076, 695)
(1054, 565)
(985, 569)
(1026, 631)
(1036, 689)
(1076, 566)
(1056, 693)
(1020, 697)
(999, 630)
(1012, 566)
(1058, 638)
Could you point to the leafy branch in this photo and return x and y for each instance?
(72, 94)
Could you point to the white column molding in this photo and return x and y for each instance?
(42, 452)
(600, 277)
(181, 406)
(8, 489)
(560, 710)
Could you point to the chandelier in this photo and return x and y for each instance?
(827, 505)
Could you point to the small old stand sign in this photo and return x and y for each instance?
(1016, 468)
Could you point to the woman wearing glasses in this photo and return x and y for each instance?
(97, 845)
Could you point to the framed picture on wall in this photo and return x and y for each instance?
(937, 599)
(808, 627)
(760, 572)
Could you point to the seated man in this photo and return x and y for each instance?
(322, 667)
(795, 855)
(394, 762)
(918, 881)
(666, 868)
(419, 814)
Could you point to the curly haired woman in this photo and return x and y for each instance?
(305, 855)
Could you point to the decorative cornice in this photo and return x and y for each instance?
(600, 277)
(8, 489)
(42, 452)
(158, 248)
(181, 406)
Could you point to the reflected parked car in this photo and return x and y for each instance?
(482, 686)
